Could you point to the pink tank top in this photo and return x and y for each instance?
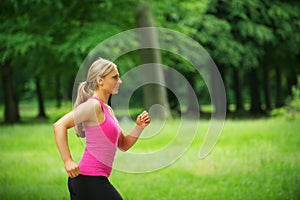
(101, 146)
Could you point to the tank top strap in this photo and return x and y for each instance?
(101, 103)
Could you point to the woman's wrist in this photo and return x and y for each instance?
(136, 132)
(139, 127)
(67, 159)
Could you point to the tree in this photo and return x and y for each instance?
(239, 35)
(154, 93)
(49, 39)
(17, 38)
(24, 30)
(11, 113)
(283, 18)
(179, 15)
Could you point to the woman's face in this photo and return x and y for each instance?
(111, 82)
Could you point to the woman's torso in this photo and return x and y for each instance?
(101, 145)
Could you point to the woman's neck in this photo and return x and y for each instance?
(102, 96)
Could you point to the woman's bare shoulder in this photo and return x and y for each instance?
(88, 109)
(89, 104)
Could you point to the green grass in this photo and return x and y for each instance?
(253, 159)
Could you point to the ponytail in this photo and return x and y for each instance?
(83, 93)
(100, 68)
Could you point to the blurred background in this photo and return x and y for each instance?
(255, 45)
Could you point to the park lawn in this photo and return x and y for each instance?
(253, 159)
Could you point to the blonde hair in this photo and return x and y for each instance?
(100, 68)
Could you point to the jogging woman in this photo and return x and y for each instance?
(95, 120)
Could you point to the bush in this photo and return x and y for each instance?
(293, 102)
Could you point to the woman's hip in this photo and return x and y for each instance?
(92, 187)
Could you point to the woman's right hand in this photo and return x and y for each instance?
(71, 168)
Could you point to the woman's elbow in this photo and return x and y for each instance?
(123, 148)
(122, 145)
(56, 126)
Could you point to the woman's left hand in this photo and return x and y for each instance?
(143, 119)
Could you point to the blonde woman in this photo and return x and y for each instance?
(95, 120)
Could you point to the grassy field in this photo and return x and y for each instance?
(253, 159)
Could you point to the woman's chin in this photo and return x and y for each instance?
(116, 91)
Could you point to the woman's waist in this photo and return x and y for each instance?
(90, 170)
(92, 166)
(98, 156)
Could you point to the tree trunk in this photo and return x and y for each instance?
(58, 91)
(279, 99)
(41, 111)
(193, 105)
(172, 99)
(218, 93)
(11, 112)
(154, 93)
(255, 101)
(291, 79)
(223, 75)
(266, 85)
(239, 103)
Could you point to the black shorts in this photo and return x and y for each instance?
(92, 188)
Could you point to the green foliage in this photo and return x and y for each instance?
(293, 102)
(50, 39)
(215, 35)
(292, 109)
(261, 33)
(278, 112)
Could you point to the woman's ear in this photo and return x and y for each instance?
(100, 81)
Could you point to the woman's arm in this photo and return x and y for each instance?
(79, 115)
(127, 141)
(61, 138)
